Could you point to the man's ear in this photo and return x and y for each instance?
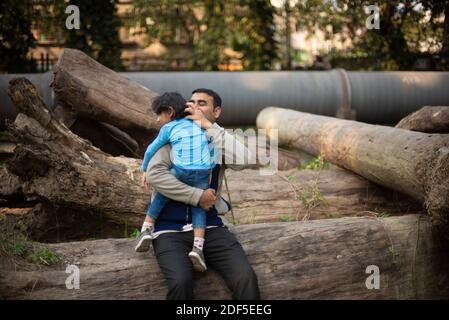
(217, 112)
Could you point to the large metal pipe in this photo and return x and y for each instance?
(375, 97)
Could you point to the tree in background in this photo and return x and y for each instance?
(439, 23)
(409, 30)
(98, 34)
(208, 27)
(208, 51)
(254, 35)
(15, 36)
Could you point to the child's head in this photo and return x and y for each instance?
(169, 106)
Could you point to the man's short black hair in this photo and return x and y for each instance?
(166, 100)
(210, 92)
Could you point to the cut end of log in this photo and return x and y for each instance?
(437, 189)
(427, 119)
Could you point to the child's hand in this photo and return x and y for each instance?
(197, 116)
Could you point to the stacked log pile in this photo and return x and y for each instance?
(50, 169)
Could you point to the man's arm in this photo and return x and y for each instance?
(236, 155)
(159, 176)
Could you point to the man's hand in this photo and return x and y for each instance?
(197, 115)
(207, 199)
(145, 184)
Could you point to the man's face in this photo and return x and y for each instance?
(206, 104)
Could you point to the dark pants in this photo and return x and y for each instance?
(222, 252)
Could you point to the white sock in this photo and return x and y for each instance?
(198, 243)
(146, 225)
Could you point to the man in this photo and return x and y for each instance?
(173, 233)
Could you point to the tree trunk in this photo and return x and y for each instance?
(427, 119)
(96, 92)
(321, 259)
(410, 162)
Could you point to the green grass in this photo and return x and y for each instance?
(45, 256)
(135, 233)
(126, 234)
(25, 249)
(287, 219)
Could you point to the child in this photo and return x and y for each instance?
(192, 164)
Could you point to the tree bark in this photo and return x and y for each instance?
(427, 119)
(410, 162)
(96, 92)
(321, 259)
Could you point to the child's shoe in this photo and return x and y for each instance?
(144, 241)
(197, 258)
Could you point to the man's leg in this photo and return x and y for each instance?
(171, 251)
(225, 254)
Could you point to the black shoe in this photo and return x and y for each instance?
(197, 258)
(144, 242)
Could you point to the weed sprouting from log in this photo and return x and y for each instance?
(21, 248)
(287, 219)
(318, 163)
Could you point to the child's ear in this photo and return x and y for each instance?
(171, 112)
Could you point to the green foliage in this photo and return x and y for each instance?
(135, 233)
(20, 248)
(209, 26)
(45, 256)
(98, 33)
(404, 27)
(254, 35)
(15, 36)
(25, 249)
(318, 163)
(312, 200)
(287, 219)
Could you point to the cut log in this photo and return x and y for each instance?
(56, 165)
(322, 259)
(96, 92)
(427, 119)
(410, 162)
(308, 194)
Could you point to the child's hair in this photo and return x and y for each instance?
(166, 100)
